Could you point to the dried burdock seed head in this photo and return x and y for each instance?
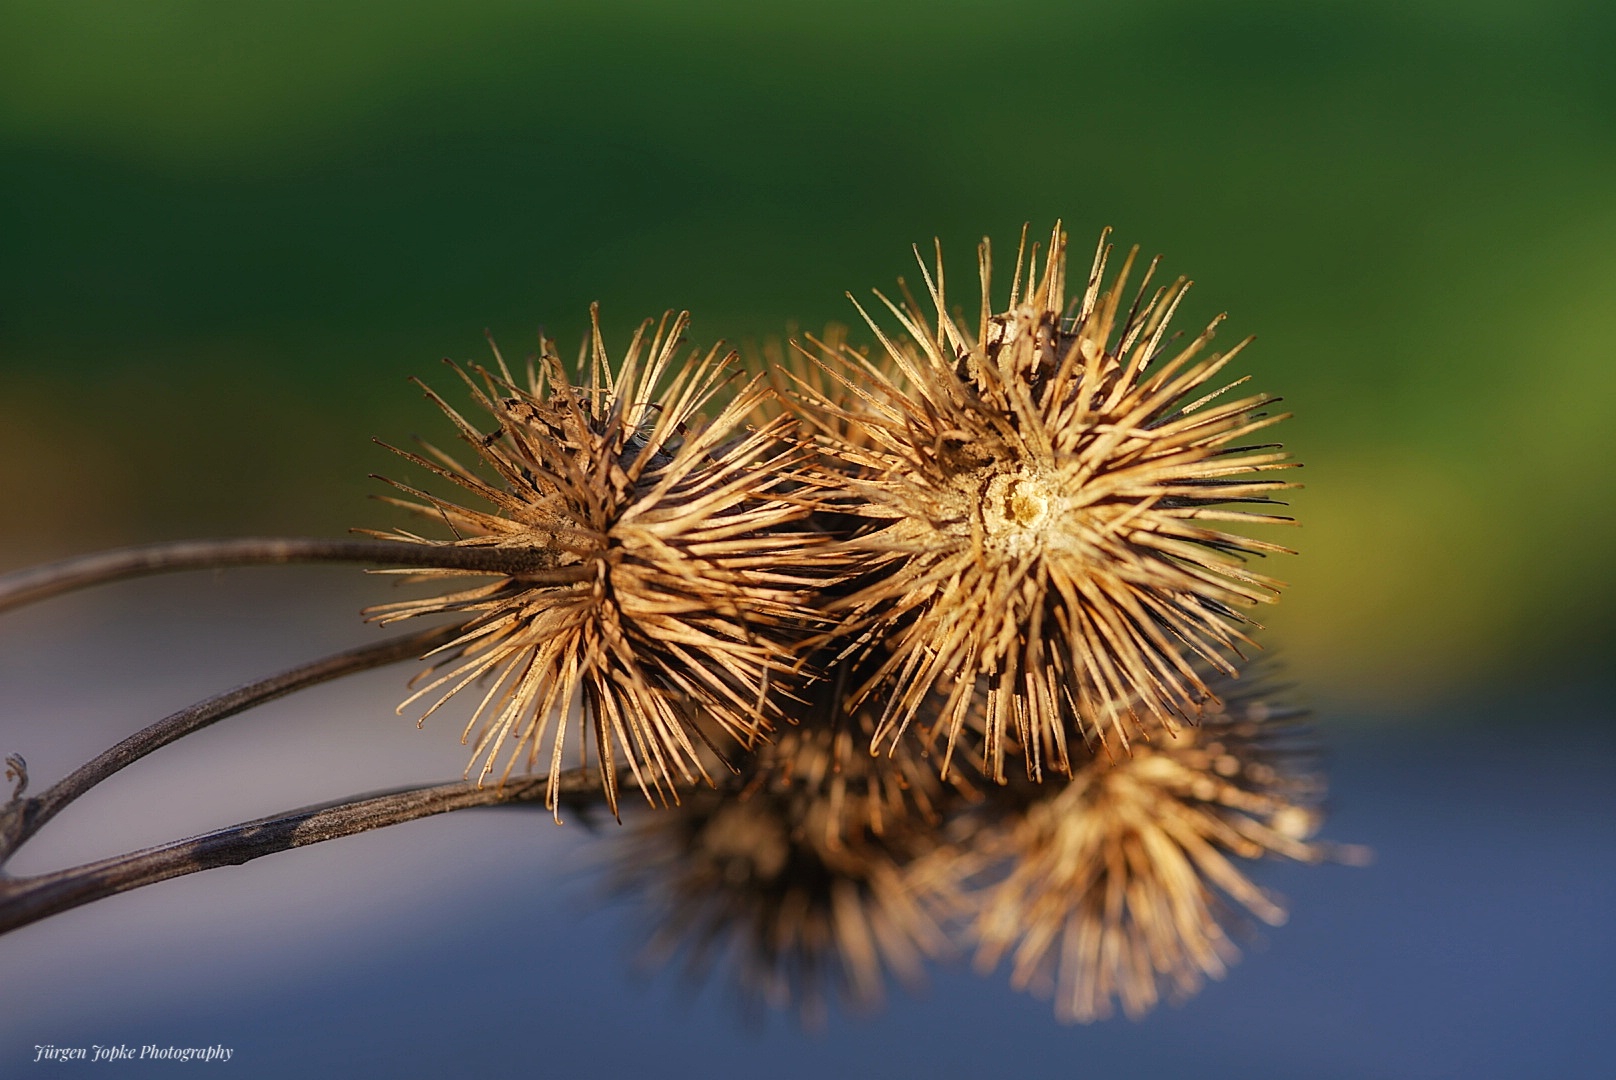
(821, 771)
(665, 570)
(815, 872)
(1121, 883)
(1046, 495)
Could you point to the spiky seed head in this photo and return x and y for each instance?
(666, 570)
(809, 877)
(1123, 882)
(1047, 497)
(821, 769)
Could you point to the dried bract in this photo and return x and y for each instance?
(1121, 882)
(1043, 499)
(814, 874)
(821, 766)
(666, 564)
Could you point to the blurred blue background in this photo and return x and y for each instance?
(228, 233)
(1477, 945)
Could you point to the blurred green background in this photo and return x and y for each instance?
(229, 231)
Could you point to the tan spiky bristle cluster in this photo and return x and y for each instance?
(858, 591)
(823, 766)
(812, 877)
(812, 874)
(1121, 883)
(671, 563)
(1045, 496)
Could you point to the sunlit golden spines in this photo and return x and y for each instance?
(821, 769)
(815, 872)
(668, 568)
(1043, 498)
(794, 921)
(1122, 884)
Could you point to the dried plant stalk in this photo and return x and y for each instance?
(27, 900)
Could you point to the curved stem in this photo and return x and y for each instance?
(27, 900)
(40, 582)
(22, 818)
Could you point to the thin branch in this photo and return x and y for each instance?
(27, 900)
(22, 818)
(41, 582)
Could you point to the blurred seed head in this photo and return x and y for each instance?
(668, 569)
(820, 871)
(1044, 499)
(1122, 885)
(814, 875)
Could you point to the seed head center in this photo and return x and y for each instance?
(1018, 509)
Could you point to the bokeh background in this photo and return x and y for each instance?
(228, 232)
